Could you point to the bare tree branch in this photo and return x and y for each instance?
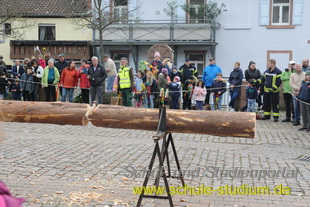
(99, 17)
(10, 14)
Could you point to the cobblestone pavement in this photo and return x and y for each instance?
(52, 165)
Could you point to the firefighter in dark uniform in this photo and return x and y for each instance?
(272, 82)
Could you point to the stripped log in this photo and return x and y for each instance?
(43, 112)
(219, 123)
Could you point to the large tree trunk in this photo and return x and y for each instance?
(43, 112)
(219, 123)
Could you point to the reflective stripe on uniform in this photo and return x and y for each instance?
(273, 83)
(267, 113)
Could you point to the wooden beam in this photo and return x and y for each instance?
(218, 123)
(42, 112)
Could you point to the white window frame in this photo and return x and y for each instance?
(46, 25)
(281, 5)
(120, 10)
(196, 7)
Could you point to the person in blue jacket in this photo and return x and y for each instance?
(235, 81)
(208, 76)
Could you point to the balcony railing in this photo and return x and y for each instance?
(158, 31)
(74, 50)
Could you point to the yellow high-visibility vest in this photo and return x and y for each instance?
(124, 77)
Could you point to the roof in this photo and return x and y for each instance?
(44, 8)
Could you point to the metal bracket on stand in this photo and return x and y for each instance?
(162, 155)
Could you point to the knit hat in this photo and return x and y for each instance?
(177, 78)
(157, 54)
(308, 73)
(164, 71)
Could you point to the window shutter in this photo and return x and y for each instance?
(297, 12)
(264, 12)
(2, 33)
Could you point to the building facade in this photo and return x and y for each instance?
(151, 29)
(50, 29)
(248, 31)
(263, 29)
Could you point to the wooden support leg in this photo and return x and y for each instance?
(170, 139)
(161, 164)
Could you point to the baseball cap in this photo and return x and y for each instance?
(187, 59)
(61, 55)
(211, 59)
(292, 62)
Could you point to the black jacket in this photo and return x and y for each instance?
(187, 72)
(4, 70)
(252, 74)
(3, 83)
(235, 78)
(16, 94)
(271, 86)
(61, 65)
(218, 86)
(97, 77)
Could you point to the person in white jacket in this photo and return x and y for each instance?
(295, 82)
(37, 75)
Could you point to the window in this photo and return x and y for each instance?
(47, 32)
(281, 56)
(281, 12)
(120, 9)
(196, 11)
(116, 57)
(7, 29)
(197, 59)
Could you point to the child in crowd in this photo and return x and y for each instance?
(27, 85)
(175, 72)
(83, 80)
(156, 65)
(200, 95)
(41, 61)
(151, 88)
(189, 86)
(304, 96)
(218, 88)
(15, 89)
(163, 83)
(251, 95)
(175, 92)
(115, 84)
(138, 90)
(3, 84)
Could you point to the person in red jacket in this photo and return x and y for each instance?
(68, 81)
(84, 81)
